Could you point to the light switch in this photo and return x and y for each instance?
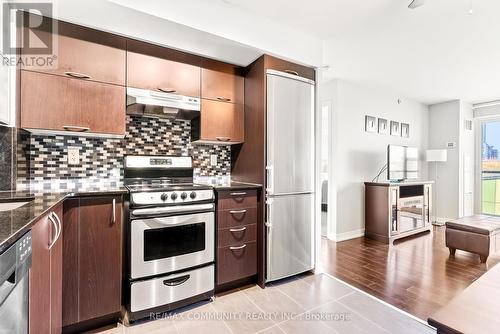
(213, 160)
(73, 156)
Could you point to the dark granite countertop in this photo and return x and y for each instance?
(16, 222)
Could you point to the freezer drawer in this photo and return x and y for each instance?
(290, 235)
(290, 135)
(172, 288)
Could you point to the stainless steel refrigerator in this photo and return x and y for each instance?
(290, 175)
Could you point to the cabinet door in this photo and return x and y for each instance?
(222, 122)
(148, 72)
(289, 67)
(99, 254)
(56, 258)
(70, 262)
(39, 306)
(220, 86)
(83, 52)
(62, 104)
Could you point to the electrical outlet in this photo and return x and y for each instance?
(213, 160)
(73, 156)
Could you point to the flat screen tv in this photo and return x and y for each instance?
(402, 163)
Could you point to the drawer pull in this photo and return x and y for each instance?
(238, 229)
(223, 138)
(224, 99)
(176, 281)
(235, 212)
(238, 194)
(76, 128)
(237, 247)
(166, 90)
(292, 72)
(78, 75)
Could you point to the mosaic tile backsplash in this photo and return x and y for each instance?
(44, 158)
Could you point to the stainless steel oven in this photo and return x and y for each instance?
(168, 244)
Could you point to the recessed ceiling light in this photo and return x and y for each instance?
(416, 3)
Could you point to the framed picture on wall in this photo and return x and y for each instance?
(395, 128)
(370, 124)
(405, 130)
(383, 128)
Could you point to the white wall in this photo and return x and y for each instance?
(359, 155)
(455, 182)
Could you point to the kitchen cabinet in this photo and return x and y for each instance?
(222, 86)
(159, 74)
(222, 122)
(236, 235)
(45, 312)
(281, 65)
(56, 103)
(92, 261)
(82, 52)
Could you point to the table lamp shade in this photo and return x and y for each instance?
(436, 155)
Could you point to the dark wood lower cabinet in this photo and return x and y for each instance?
(92, 261)
(45, 312)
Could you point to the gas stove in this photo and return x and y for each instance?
(160, 180)
(170, 235)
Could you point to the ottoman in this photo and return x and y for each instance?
(477, 234)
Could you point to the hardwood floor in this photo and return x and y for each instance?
(416, 274)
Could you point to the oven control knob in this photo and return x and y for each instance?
(164, 197)
(192, 195)
(173, 196)
(184, 196)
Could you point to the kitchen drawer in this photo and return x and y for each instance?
(234, 264)
(237, 235)
(159, 291)
(236, 218)
(237, 199)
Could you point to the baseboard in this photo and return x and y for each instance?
(350, 235)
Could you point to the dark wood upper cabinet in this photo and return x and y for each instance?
(46, 274)
(277, 64)
(56, 103)
(221, 86)
(222, 122)
(92, 260)
(149, 67)
(83, 53)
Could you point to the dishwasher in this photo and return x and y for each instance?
(15, 263)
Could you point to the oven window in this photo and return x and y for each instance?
(173, 241)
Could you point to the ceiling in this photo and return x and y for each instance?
(435, 53)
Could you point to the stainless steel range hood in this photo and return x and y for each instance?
(159, 104)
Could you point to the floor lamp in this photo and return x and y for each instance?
(436, 156)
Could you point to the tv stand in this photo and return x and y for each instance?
(395, 210)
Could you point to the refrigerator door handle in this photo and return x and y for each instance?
(269, 202)
(270, 179)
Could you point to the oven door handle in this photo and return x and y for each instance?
(172, 209)
(176, 281)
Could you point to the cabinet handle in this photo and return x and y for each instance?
(238, 194)
(59, 224)
(114, 210)
(166, 90)
(76, 128)
(237, 247)
(54, 224)
(78, 75)
(223, 99)
(238, 229)
(235, 212)
(223, 138)
(292, 72)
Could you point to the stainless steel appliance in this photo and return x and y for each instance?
(290, 175)
(14, 286)
(170, 235)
